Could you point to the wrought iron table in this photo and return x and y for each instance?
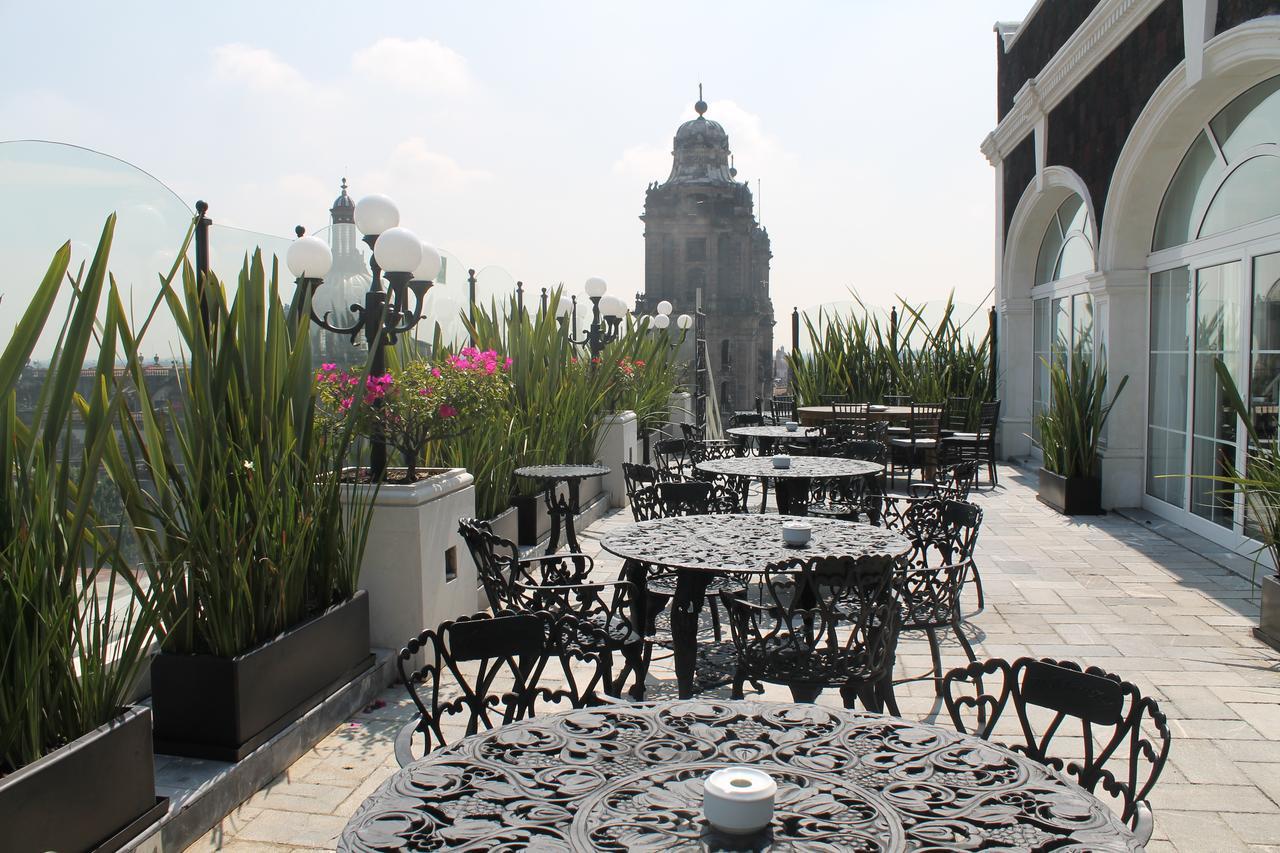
(767, 435)
(700, 547)
(628, 777)
(791, 485)
(561, 508)
(818, 415)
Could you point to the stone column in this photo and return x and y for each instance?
(1121, 316)
(619, 443)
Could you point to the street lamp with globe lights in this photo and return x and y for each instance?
(409, 266)
(607, 313)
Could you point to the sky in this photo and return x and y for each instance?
(512, 135)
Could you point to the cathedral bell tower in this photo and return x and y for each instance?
(701, 234)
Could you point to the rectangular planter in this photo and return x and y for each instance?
(1071, 495)
(224, 708)
(96, 793)
(1268, 630)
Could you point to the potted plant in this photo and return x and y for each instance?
(414, 569)
(76, 767)
(1259, 486)
(253, 554)
(1071, 430)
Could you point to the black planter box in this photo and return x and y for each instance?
(1071, 495)
(1268, 630)
(96, 793)
(527, 517)
(224, 708)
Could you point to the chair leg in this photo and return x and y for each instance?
(958, 628)
(715, 618)
(977, 588)
(936, 651)
(738, 678)
(638, 663)
(885, 692)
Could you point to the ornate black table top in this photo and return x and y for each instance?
(801, 434)
(812, 467)
(559, 473)
(629, 777)
(744, 543)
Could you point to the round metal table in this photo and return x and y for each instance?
(818, 415)
(627, 777)
(791, 485)
(561, 508)
(767, 435)
(699, 547)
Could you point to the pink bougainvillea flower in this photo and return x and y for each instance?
(506, 365)
(329, 366)
(447, 411)
(435, 371)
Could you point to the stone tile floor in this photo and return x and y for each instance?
(1109, 591)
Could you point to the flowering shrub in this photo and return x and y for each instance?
(421, 402)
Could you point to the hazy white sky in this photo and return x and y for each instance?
(523, 135)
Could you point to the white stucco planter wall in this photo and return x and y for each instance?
(680, 406)
(416, 567)
(619, 443)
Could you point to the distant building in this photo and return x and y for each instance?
(701, 234)
(1137, 167)
(345, 285)
(781, 371)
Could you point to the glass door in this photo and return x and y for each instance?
(1213, 421)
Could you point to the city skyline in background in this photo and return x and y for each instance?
(527, 146)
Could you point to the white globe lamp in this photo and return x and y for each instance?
(661, 321)
(376, 214)
(664, 309)
(596, 286)
(309, 257)
(398, 250)
(684, 321)
(429, 267)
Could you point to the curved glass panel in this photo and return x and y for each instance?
(1076, 257)
(1192, 186)
(1249, 120)
(1066, 249)
(1248, 194)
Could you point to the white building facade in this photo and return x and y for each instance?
(1137, 162)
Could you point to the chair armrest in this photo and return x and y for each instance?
(404, 743)
(557, 557)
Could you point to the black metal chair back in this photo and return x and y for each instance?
(956, 416)
(483, 671)
(897, 399)
(950, 482)
(817, 623)
(868, 450)
(493, 557)
(783, 409)
(672, 455)
(745, 419)
(942, 532)
(636, 475)
(693, 497)
(1121, 739)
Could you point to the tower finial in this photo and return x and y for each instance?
(701, 106)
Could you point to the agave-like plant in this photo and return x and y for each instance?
(1071, 428)
(77, 623)
(1259, 483)
(856, 355)
(240, 512)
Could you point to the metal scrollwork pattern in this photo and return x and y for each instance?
(744, 543)
(809, 467)
(624, 777)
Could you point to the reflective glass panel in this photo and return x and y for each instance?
(1217, 336)
(1249, 120)
(1167, 386)
(1264, 367)
(1188, 192)
(1250, 193)
(1047, 260)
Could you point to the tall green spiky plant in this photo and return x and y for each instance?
(858, 355)
(242, 520)
(77, 625)
(1071, 428)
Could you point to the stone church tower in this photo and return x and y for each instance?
(700, 233)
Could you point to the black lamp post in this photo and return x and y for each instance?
(606, 318)
(408, 265)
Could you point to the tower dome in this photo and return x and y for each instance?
(344, 209)
(700, 152)
(349, 277)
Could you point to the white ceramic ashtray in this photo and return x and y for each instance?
(782, 461)
(796, 533)
(739, 800)
(791, 426)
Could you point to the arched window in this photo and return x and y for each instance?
(1062, 309)
(1229, 175)
(1067, 247)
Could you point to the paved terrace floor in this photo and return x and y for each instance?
(1109, 591)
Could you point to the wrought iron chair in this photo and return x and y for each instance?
(855, 497)
(510, 583)
(950, 482)
(783, 409)
(636, 475)
(919, 448)
(483, 671)
(672, 455)
(1124, 737)
(818, 623)
(939, 535)
(741, 445)
(669, 500)
(979, 446)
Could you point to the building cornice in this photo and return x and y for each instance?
(1107, 26)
